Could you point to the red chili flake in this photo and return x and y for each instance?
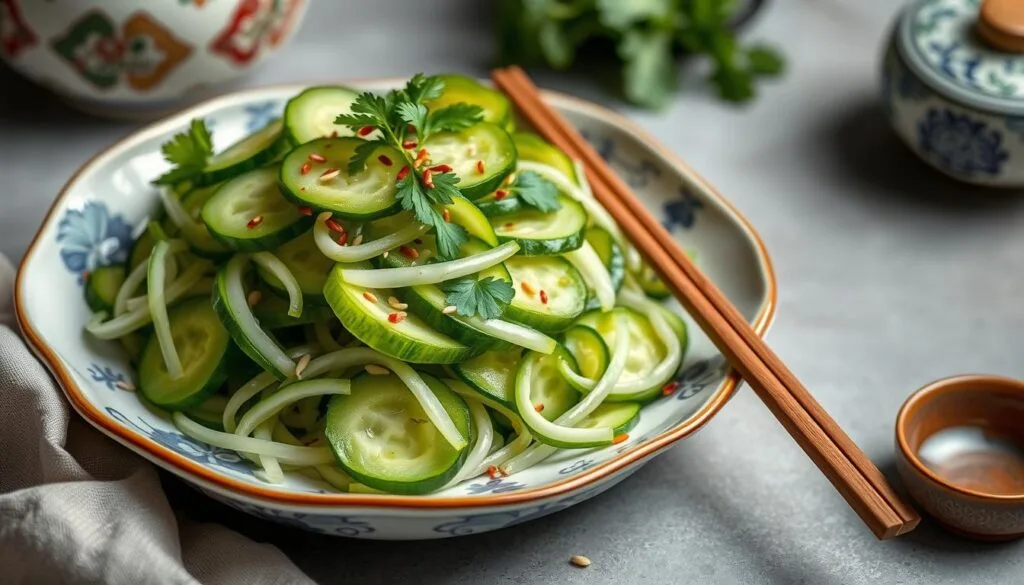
(86, 274)
(509, 225)
(333, 225)
(669, 388)
(254, 222)
(403, 173)
(306, 167)
(480, 168)
(366, 130)
(408, 252)
(334, 134)
(343, 239)
(620, 438)
(409, 144)
(543, 297)
(396, 317)
(318, 158)
(428, 180)
(384, 160)
(422, 154)
(305, 210)
(500, 194)
(446, 215)
(494, 472)
(538, 407)
(441, 169)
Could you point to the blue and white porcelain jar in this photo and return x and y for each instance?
(953, 87)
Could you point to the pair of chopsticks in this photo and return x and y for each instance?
(836, 455)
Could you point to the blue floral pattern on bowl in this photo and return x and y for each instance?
(91, 237)
(106, 375)
(961, 144)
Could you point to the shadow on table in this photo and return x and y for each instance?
(24, 103)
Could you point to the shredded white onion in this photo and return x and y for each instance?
(181, 285)
(604, 219)
(541, 425)
(290, 454)
(482, 444)
(175, 210)
(365, 251)
(323, 335)
(360, 356)
(673, 349)
(280, 270)
(514, 333)
(128, 287)
(268, 407)
(505, 452)
(158, 308)
(594, 209)
(238, 305)
(429, 273)
(257, 384)
(271, 466)
(586, 260)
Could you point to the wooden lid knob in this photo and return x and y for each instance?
(1001, 24)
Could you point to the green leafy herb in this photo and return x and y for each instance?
(648, 36)
(487, 297)
(536, 191)
(188, 152)
(397, 115)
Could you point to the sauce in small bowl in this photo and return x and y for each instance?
(960, 448)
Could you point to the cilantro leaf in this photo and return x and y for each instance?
(449, 237)
(444, 187)
(413, 196)
(764, 60)
(649, 72)
(369, 109)
(188, 151)
(421, 88)
(362, 153)
(415, 115)
(536, 191)
(455, 117)
(486, 298)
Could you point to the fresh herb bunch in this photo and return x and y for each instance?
(402, 120)
(188, 151)
(648, 36)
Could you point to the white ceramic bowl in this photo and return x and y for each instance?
(130, 58)
(90, 224)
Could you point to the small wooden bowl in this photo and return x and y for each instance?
(960, 447)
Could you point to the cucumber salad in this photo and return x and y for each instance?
(394, 292)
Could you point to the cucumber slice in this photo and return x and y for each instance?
(381, 436)
(464, 150)
(101, 287)
(210, 412)
(143, 245)
(199, 239)
(493, 374)
(133, 343)
(550, 394)
(650, 282)
(492, 206)
(557, 295)
(310, 115)
(645, 349)
(424, 249)
(367, 194)
(201, 341)
(253, 151)
(589, 350)
(612, 257)
(309, 267)
(462, 89)
(533, 148)
(366, 317)
(540, 233)
(253, 199)
(272, 312)
(620, 416)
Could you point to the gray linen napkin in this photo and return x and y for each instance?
(75, 507)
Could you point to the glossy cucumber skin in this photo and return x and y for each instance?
(290, 223)
(520, 311)
(262, 156)
(101, 287)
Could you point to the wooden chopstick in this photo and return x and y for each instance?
(846, 466)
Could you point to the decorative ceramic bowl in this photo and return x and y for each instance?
(954, 88)
(129, 58)
(91, 223)
(960, 451)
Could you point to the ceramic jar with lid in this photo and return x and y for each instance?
(953, 87)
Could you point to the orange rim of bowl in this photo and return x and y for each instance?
(186, 467)
(932, 390)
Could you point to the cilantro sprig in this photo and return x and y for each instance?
(402, 115)
(188, 151)
(536, 191)
(486, 297)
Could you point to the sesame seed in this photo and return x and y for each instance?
(254, 298)
(254, 222)
(328, 175)
(385, 254)
(580, 561)
(449, 309)
(125, 385)
(471, 150)
(375, 370)
(317, 157)
(369, 296)
(527, 288)
(538, 407)
(396, 304)
(446, 215)
(511, 178)
(301, 366)
(543, 296)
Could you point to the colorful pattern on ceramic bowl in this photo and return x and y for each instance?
(956, 103)
(124, 57)
(990, 506)
(89, 226)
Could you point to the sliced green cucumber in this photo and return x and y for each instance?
(423, 250)
(133, 343)
(550, 394)
(249, 213)
(102, 285)
(366, 316)
(611, 255)
(540, 233)
(482, 146)
(198, 236)
(620, 416)
(493, 374)
(201, 341)
(493, 206)
(650, 282)
(309, 267)
(272, 312)
(557, 292)
(462, 89)
(589, 350)
(327, 186)
(645, 349)
(381, 436)
(310, 115)
(253, 151)
(210, 412)
(143, 245)
(531, 147)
